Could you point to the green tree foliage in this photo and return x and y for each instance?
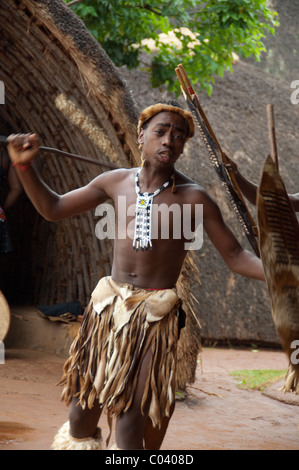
(206, 34)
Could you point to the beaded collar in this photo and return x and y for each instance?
(143, 215)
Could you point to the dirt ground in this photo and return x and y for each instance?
(216, 415)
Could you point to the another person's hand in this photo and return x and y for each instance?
(232, 166)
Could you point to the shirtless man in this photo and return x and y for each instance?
(146, 277)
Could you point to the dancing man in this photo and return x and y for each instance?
(124, 357)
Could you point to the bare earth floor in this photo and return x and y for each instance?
(216, 415)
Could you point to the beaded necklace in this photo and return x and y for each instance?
(143, 215)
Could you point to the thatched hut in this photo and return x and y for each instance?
(60, 84)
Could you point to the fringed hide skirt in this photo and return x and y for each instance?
(119, 326)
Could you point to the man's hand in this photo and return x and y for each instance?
(22, 148)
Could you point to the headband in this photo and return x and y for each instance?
(151, 111)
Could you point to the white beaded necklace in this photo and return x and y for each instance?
(143, 215)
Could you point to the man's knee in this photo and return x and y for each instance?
(129, 430)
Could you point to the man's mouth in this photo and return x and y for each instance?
(165, 155)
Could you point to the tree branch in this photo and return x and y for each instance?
(144, 7)
(74, 2)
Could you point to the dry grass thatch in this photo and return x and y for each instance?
(60, 84)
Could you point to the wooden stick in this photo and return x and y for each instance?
(3, 139)
(272, 137)
(192, 95)
(189, 92)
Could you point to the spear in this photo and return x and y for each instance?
(3, 139)
(219, 159)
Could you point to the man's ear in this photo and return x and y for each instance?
(141, 137)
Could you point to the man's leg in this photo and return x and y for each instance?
(153, 437)
(81, 431)
(83, 423)
(130, 426)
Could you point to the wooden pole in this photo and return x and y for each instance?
(190, 94)
(272, 136)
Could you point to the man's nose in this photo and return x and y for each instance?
(167, 139)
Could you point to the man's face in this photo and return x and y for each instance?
(164, 138)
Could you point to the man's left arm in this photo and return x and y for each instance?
(237, 259)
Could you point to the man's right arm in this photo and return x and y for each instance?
(23, 149)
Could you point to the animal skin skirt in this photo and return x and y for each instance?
(119, 325)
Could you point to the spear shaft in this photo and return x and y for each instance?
(3, 139)
(216, 154)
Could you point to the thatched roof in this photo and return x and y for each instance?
(60, 84)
